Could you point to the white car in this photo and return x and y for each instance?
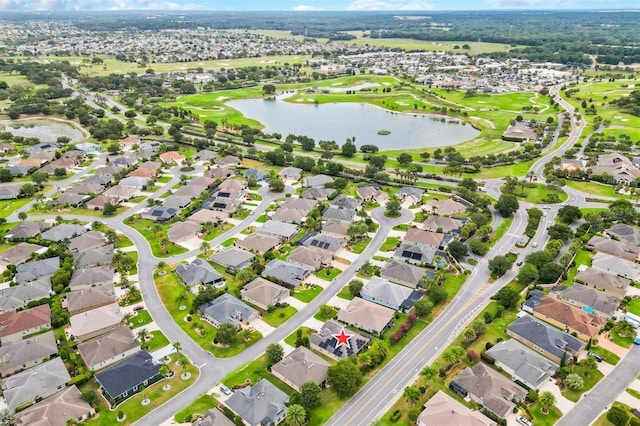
(524, 421)
(535, 244)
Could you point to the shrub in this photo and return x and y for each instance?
(395, 416)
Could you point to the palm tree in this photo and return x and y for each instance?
(574, 382)
(296, 415)
(547, 400)
(22, 216)
(589, 364)
(183, 362)
(469, 335)
(177, 346)
(180, 300)
(164, 244)
(127, 318)
(205, 247)
(161, 265)
(142, 335)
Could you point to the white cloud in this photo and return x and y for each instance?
(388, 5)
(305, 8)
(12, 4)
(93, 5)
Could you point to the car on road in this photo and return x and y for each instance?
(225, 390)
(519, 263)
(535, 244)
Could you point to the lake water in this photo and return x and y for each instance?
(43, 129)
(340, 121)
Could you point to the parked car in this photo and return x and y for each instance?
(225, 390)
(524, 421)
(535, 244)
(519, 263)
(595, 356)
(138, 308)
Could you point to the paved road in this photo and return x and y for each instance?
(605, 392)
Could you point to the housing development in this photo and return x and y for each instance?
(318, 218)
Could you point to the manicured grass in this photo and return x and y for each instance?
(634, 306)
(588, 210)
(141, 319)
(633, 393)
(7, 207)
(390, 244)
(518, 169)
(133, 255)
(228, 243)
(593, 188)
(200, 405)
(132, 407)
(318, 315)
(328, 274)
(499, 232)
(158, 341)
(619, 340)
(217, 230)
(537, 194)
(541, 419)
(608, 356)
(589, 382)
(603, 421)
(262, 218)
(164, 179)
(344, 293)
(308, 294)
(291, 339)
(122, 241)
(279, 316)
(401, 227)
(146, 228)
(359, 246)
(254, 371)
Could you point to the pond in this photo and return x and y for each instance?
(339, 121)
(41, 128)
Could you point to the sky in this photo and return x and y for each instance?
(315, 5)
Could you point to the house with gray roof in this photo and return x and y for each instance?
(616, 266)
(160, 213)
(9, 191)
(18, 296)
(68, 199)
(98, 179)
(38, 269)
(333, 213)
(57, 409)
(550, 342)
(20, 253)
(288, 215)
(94, 257)
(88, 240)
(227, 308)
(24, 354)
(124, 379)
(280, 230)
(106, 350)
(336, 228)
(233, 258)
(25, 230)
(183, 231)
(366, 316)
(405, 274)
(416, 254)
(290, 173)
(591, 300)
(260, 404)
(319, 194)
(522, 363)
(286, 273)
(64, 231)
(345, 202)
(204, 155)
(86, 188)
(38, 382)
(317, 181)
(323, 242)
(257, 243)
(176, 201)
(621, 249)
(624, 232)
(411, 194)
(301, 366)
(310, 258)
(372, 193)
(89, 298)
(228, 161)
(385, 293)
(256, 173)
(600, 280)
(263, 293)
(93, 323)
(220, 173)
(199, 273)
(324, 341)
(96, 276)
(487, 387)
(213, 417)
(444, 224)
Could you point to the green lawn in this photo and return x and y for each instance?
(619, 340)
(634, 306)
(603, 421)
(146, 229)
(141, 319)
(164, 179)
(279, 316)
(217, 230)
(401, 227)
(291, 339)
(518, 169)
(133, 255)
(590, 381)
(318, 315)
(262, 218)
(633, 393)
(229, 242)
(122, 241)
(344, 293)
(7, 207)
(308, 294)
(200, 405)
(158, 341)
(328, 274)
(390, 244)
(607, 356)
(359, 246)
(541, 419)
(593, 188)
(537, 194)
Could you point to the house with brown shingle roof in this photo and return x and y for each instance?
(405, 274)
(105, 350)
(172, 157)
(20, 253)
(143, 172)
(257, 243)
(372, 193)
(90, 324)
(88, 240)
(427, 239)
(262, 293)
(301, 366)
(366, 316)
(600, 280)
(127, 143)
(310, 258)
(24, 354)
(445, 207)
(443, 410)
(206, 215)
(98, 203)
(183, 231)
(569, 318)
(56, 410)
(444, 224)
(621, 249)
(15, 325)
(90, 298)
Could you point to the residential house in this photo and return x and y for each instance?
(26, 230)
(61, 163)
(160, 213)
(190, 191)
(310, 258)
(550, 342)
(88, 147)
(220, 173)
(319, 194)
(226, 205)
(88, 277)
(57, 410)
(405, 274)
(125, 378)
(415, 254)
(285, 273)
(290, 174)
(232, 188)
(289, 215)
(385, 293)
(317, 181)
(443, 224)
(485, 386)
(611, 284)
(94, 257)
(23, 354)
(573, 320)
(259, 405)
(95, 322)
(143, 173)
(20, 295)
(68, 199)
(98, 179)
(345, 202)
(322, 242)
(172, 157)
(22, 169)
(199, 273)
(233, 258)
(15, 325)
(111, 169)
(228, 161)
(325, 341)
(520, 131)
(176, 202)
(366, 316)
(343, 215)
(20, 253)
(122, 193)
(90, 298)
(64, 231)
(105, 350)
(183, 231)
(37, 383)
(298, 204)
(228, 309)
(9, 191)
(616, 266)
(590, 300)
(139, 183)
(213, 417)
(621, 249)
(87, 241)
(263, 293)
(86, 188)
(534, 298)
(257, 243)
(443, 410)
(38, 269)
(336, 228)
(624, 232)
(372, 193)
(445, 207)
(256, 173)
(616, 165)
(205, 215)
(301, 366)
(98, 203)
(280, 230)
(410, 194)
(204, 155)
(522, 363)
(127, 143)
(420, 246)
